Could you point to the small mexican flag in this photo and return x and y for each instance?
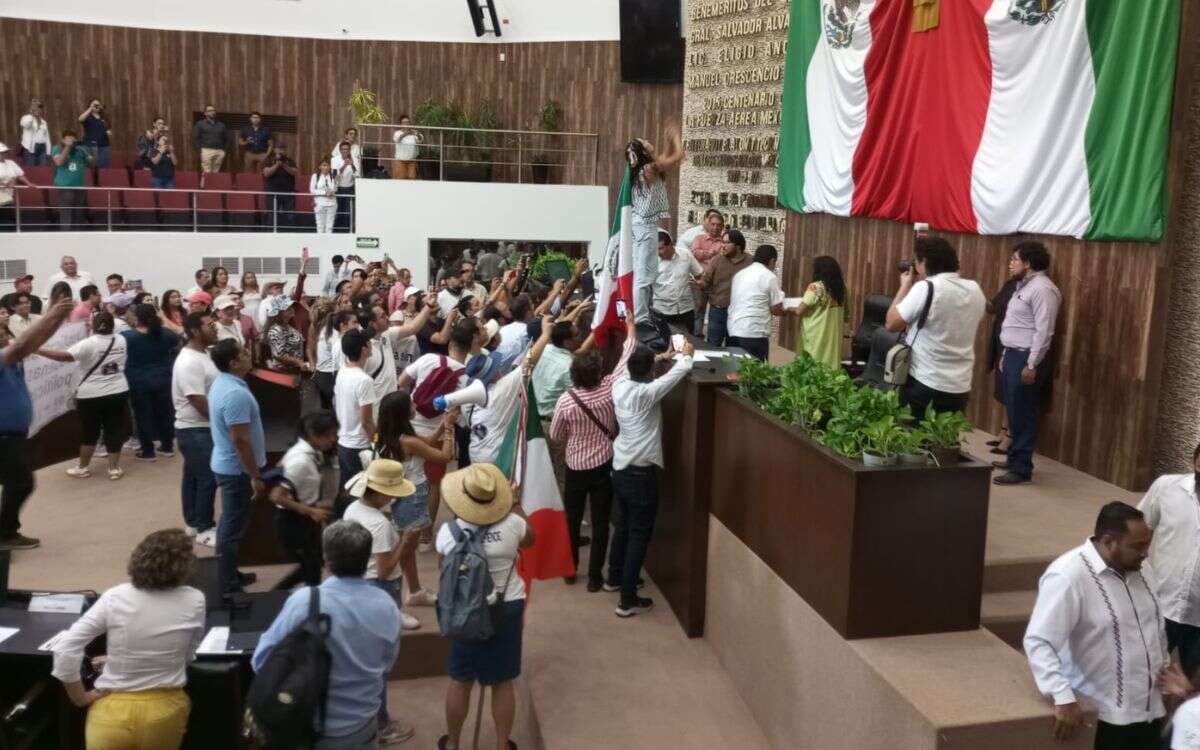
(616, 277)
(525, 457)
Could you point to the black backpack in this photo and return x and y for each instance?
(292, 685)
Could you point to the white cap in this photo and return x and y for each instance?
(491, 328)
(224, 301)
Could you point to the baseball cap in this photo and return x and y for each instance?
(24, 276)
(224, 301)
(204, 297)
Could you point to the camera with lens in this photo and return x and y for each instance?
(905, 265)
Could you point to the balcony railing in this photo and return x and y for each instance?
(43, 209)
(474, 155)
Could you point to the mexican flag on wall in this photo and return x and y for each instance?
(1007, 116)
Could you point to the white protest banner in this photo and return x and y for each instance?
(52, 384)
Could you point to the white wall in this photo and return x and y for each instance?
(404, 215)
(400, 20)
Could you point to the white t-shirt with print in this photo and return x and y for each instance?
(501, 544)
(490, 422)
(382, 361)
(352, 390)
(192, 375)
(384, 536)
(418, 371)
(109, 378)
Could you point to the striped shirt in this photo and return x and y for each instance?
(588, 446)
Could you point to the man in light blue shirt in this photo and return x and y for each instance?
(364, 638)
(239, 453)
(552, 376)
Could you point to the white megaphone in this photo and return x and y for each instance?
(474, 394)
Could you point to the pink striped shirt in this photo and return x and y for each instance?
(588, 446)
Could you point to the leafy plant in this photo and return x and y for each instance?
(550, 116)
(364, 106)
(943, 430)
(884, 437)
(539, 270)
(914, 441)
(468, 143)
(757, 381)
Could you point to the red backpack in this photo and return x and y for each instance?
(442, 381)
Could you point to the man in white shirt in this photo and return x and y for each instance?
(11, 175)
(350, 137)
(451, 295)
(229, 323)
(677, 272)
(191, 377)
(1096, 633)
(637, 458)
(381, 364)
(942, 341)
(514, 336)
(339, 270)
(22, 317)
(1172, 508)
(489, 422)
(70, 273)
(754, 297)
(345, 171)
(354, 403)
(470, 285)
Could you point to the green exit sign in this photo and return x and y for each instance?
(366, 242)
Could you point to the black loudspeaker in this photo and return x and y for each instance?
(476, 8)
(651, 45)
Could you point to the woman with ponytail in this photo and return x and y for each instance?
(151, 358)
(650, 205)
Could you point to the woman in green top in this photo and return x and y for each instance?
(823, 312)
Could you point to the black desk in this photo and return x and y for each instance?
(35, 628)
(262, 608)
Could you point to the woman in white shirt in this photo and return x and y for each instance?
(323, 187)
(405, 165)
(326, 342)
(251, 295)
(35, 136)
(481, 498)
(221, 285)
(102, 397)
(153, 626)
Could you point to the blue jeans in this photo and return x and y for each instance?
(162, 183)
(199, 488)
(1021, 403)
(236, 497)
(636, 492)
(103, 155)
(718, 320)
(39, 158)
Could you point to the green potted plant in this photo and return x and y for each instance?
(365, 110)
(942, 432)
(431, 113)
(757, 381)
(550, 116)
(912, 449)
(882, 441)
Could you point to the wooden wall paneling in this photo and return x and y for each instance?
(142, 72)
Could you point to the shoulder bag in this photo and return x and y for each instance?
(899, 357)
(611, 435)
(93, 368)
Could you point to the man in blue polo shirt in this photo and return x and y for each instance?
(16, 414)
(239, 453)
(256, 142)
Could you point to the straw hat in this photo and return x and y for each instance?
(383, 475)
(479, 494)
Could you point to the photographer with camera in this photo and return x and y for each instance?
(70, 161)
(943, 346)
(147, 141)
(162, 164)
(96, 133)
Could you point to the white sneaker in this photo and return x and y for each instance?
(115, 474)
(207, 538)
(132, 444)
(408, 622)
(190, 532)
(166, 453)
(79, 472)
(100, 452)
(421, 598)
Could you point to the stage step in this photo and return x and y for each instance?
(1006, 614)
(1014, 575)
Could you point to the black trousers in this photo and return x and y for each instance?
(636, 491)
(16, 481)
(284, 210)
(920, 396)
(300, 537)
(324, 382)
(462, 440)
(758, 347)
(1185, 638)
(686, 321)
(1146, 735)
(582, 485)
(104, 414)
(343, 221)
(154, 416)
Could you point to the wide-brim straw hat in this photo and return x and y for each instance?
(479, 494)
(383, 475)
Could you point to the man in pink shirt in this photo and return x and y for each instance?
(705, 247)
(396, 293)
(89, 297)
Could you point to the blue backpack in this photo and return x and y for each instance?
(464, 587)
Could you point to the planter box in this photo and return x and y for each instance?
(467, 172)
(876, 552)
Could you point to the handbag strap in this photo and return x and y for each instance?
(100, 361)
(610, 434)
(924, 313)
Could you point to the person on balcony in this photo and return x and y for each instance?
(149, 139)
(11, 174)
(210, 136)
(162, 164)
(404, 167)
(323, 187)
(96, 133)
(351, 137)
(345, 171)
(280, 172)
(35, 135)
(71, 160)
(257, 144)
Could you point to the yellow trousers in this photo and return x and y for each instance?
(145, 720)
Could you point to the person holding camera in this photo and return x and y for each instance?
(35, 135)
(147, 141)
(323, 186)
(162, 164)
(941, 311)
(70, 159)
(96, 133)
(280, 172)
